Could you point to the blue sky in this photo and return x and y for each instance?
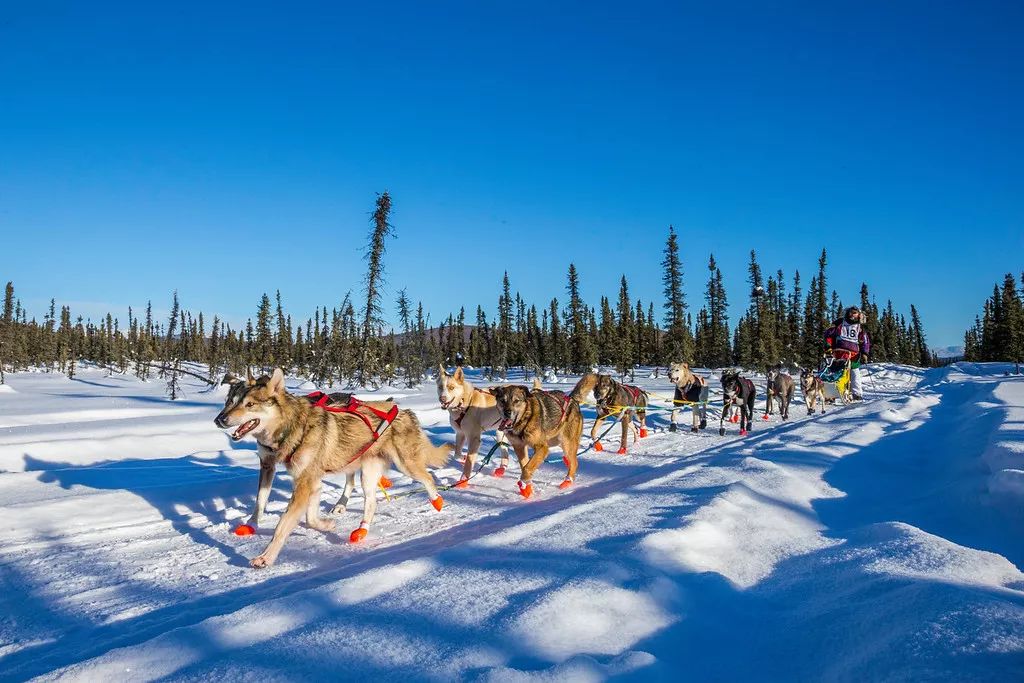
(227, 149)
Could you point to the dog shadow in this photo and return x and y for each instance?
(178, 488)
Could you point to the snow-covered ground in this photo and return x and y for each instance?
(880, 541)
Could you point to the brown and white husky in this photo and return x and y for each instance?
(312, 442)
(471, 412)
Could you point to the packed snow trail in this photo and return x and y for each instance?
(882, 540)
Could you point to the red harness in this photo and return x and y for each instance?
(461, 417)
(565, 403)
(320, 400)
(634, 391)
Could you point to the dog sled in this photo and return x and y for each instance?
(835, 375)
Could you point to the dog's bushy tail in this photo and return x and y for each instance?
(583, 387)
(436, 456)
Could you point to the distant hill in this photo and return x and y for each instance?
(949, 351)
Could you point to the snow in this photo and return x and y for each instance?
(883, 540)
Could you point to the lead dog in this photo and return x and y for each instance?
(471, 412)
(311, 442)
(780, 386)
(538, 420)
(237, 387)
(692, 390)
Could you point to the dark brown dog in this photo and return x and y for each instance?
(538, 420)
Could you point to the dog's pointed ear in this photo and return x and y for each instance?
(537, 385)
(230, 378)
(248, 376)
(458, 374)
(276, 383)
(441, 372)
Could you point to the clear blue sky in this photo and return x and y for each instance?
(226, 149)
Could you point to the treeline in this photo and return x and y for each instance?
(351, 344)
(998, 333)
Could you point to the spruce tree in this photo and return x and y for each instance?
(678, 339)
(264, 351)
(626, 331)
(578, 321)
(557, 347)
(368, 366)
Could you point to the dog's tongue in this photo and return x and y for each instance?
(244, 429)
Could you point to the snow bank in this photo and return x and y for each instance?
(880, 541)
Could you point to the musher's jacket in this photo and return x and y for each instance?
(849, 337)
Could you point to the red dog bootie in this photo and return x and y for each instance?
(438, 503)
(500, 471)
(566, 483)
(357, 535)
(525, 488)
(598, 446)
(462, 484)
(765, 416)
(743, 432)
(385, 483)
(643, 433)
(244, 530)
(622, 451)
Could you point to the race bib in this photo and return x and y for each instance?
(850, 332)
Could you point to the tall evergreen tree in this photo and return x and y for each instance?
(626, 332)
(369, 364)
(581, 350)
(678, 338)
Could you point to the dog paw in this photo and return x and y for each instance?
(598, 446)
(694, 430)
(672, 427)
(499, 471)
(438, 503)
(385, 483)
(338, 509)
(260, 562)
(462, 484)
(743, 432)
(721, 431)
(245, 530)
(357, 535)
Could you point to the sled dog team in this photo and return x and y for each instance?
(320, 434)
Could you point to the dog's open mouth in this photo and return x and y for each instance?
(244, 429)
(506, 423)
